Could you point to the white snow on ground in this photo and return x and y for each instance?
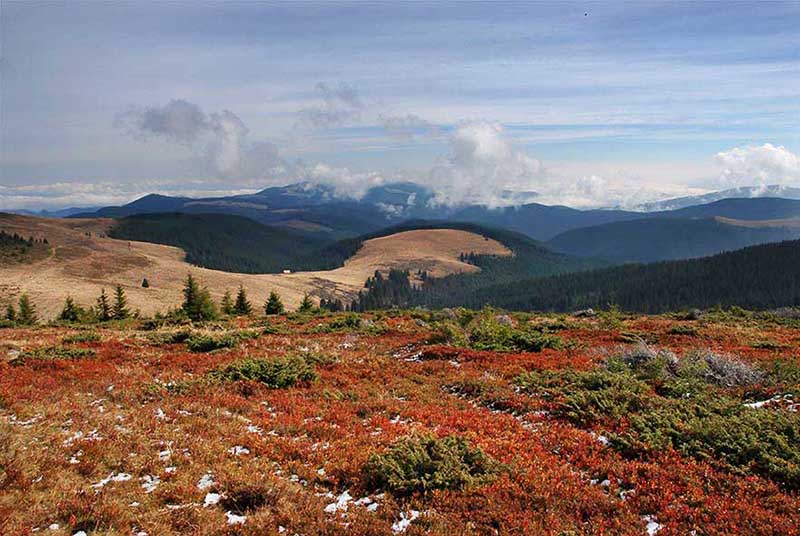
(238, 450)
(211, 499)
(206, 481)
(405, 520)
(233, 519)
(777, 400)
(113, 477)
(253, 429)
(652, 526)
(340, 504)
(91, 436)
(160, 414)
(164, 455)
(150, 483)
(79, 533)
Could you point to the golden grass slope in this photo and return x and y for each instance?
(84, 259)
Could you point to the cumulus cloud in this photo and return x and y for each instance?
(484, 165)
(220, 137)
(758, 165)
(339, 105)
(345, 182)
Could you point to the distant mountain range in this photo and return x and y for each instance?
(747, 192)
(316, 209)
(658, 239)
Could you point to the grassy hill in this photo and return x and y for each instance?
(757, 277)
(656, 239)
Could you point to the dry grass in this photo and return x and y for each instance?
(84, 260)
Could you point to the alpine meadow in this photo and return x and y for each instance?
(399, 268)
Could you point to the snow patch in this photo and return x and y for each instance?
(405, 520)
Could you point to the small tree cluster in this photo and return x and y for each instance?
(197, 302)
(331, 305)
(25, 315)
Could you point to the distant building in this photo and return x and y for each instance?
(287, 271)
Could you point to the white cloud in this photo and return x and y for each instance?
(220, 137)
(345, 183)
(484, 164)
(755, 165)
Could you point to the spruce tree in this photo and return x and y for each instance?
(242, 306)
(70, 312)
(27, 312)
(145, 283)
(11, 313)
(274, 305)
(306, 306)
(227, 303)
(197, 302)
(120, 310)
(103, 306)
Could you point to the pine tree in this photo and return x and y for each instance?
(145, 283)
(103, 306)
(197, 302)
(274, 305)
(227, 303)
(242, 306)
(27, 312)
(120, 310)
(11, 313)
(306, 305)
(71, 312)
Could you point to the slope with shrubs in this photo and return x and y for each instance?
(403, 422)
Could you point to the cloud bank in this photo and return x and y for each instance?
(758, 165)
(220, 138)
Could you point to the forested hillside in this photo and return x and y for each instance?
(758, 277)
(224, 242)
(657, 239)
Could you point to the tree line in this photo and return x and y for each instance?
(197, 305)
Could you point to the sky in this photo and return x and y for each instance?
(586, 103)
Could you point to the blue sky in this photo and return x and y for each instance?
(588, 103)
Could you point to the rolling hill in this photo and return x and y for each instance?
(228, 243)
(544, 222)
(83, 258)
(656, 239)
(757, 277)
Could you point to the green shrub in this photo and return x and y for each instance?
(350, 323)
(487, 332)
(52, 352)
(418, 464)
(206, 342)
(202, 342)
(81, 336)
(169, 337)
(760, 441)
(275, 373)
(682, 329)
(588, 397)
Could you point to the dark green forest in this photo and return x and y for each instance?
(757, 277)
(229, 243)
